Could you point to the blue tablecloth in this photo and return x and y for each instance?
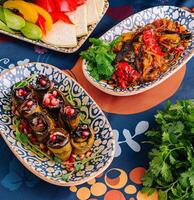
(130, 161)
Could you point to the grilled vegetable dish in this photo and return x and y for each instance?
(137, 57)
(50, 121)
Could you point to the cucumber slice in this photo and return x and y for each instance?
(2, 17)
(4, 27)
(32, 31)
(12, 20)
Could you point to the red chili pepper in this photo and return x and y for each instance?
(151, 42)
(56, 16)
(125, 74)
(66, 5)
(41, 22)
(48, 5)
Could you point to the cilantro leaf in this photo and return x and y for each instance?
(99, 59)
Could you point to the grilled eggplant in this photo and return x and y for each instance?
(41, 125)
(52, 101)
(29, 107)
(82, 139)
(69, 117)
(42, 86)
(59, 143)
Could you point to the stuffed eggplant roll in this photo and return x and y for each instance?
(21, 94)
(29, 107)
(69, 117)
(52, 101)
(59, 143)
(42, 86)
(41, 125)
(82, 139)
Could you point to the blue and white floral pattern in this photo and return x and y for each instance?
(131, 24)
(42, 167)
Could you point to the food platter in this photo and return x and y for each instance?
(48, 169)
(80, 42)
(131, 24)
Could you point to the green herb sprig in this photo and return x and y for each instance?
(171, 167)
(100, 59)
(25, 82)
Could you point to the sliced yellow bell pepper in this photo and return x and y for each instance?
(41, 11)
(29, 12)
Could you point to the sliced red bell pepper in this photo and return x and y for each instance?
(151, 42)
(66, 5)
(80, 2)
(125, 74)
(42, 24)
(48, 5)
(60, 15)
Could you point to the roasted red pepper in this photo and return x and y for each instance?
(42, 24)
(66, 5)
(151, 42)
(125, 74)
(48, 5)
(60, 16)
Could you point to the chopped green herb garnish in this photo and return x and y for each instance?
(100, 59)
(25, 82)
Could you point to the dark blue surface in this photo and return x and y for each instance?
(19, 184)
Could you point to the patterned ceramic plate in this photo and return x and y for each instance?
(45, 168)
(131, 24)
(81, 40)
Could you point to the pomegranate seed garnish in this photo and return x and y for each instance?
(29, 103)
(30, 86)
(73, 155)
(70, 169)
(54, 93)
(42, 82)
(21, 92)
(89, 153)
(42, 146)
(69, 111)
(32, 139)
(54, 102)
(82, 156)
(47, 101)
(21, 127)
(85, 133)
(53, 138)
(71, 159)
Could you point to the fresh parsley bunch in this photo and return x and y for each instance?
(171, 167)
(100, 59)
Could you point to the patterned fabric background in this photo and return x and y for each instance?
(122, 180)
